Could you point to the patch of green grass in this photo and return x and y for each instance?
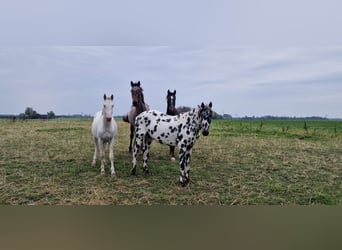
(51, 130)
(240, 162)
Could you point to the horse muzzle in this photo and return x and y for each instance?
(205, 132)
(108, 119)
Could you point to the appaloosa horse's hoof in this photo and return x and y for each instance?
(184, 184)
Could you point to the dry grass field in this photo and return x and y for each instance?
(240, 163)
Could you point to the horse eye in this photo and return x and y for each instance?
(112, 106)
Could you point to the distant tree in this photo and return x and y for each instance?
(31, 113)
(22, 116)
(51, 115)
(216, 116)
(227, 117)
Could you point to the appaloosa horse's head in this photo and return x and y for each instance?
(171, 103)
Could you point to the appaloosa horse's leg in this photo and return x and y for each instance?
(185, 157)
(137, 145)
(131, 139)
(146, 148)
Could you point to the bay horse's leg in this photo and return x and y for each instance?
(172, 153)
(125, 118)
(184, 162)
(95, 153)
(146, 149)
(131, 139)
(111, 157)
(137, 145)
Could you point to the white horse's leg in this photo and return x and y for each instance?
(102, 155)
(111, 157)
(95, 153)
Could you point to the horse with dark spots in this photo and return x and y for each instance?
(182, 131)
(138, 106)
(172, 110)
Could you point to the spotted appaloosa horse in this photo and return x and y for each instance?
(172, 110)
(104, 129)
(182, 131)
(138, 106)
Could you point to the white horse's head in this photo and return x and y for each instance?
(108, 106)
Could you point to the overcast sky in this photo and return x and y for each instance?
(247, 57)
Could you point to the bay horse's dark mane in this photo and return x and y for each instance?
(138, 106)
(183, 109)
(171, 105)
(138, 97)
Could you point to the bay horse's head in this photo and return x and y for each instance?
(136, 93)
(171, 102)
(205, 113)
(108, 106)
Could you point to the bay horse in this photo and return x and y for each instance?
(104, 129)
(182, 131)
(172, 110)
(138, 106)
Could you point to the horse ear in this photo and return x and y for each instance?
(168, 92)
(112, 97)
(131, 83)
(138, 83)
(210, 105)
(202, 105)
(174, 92)
(104, 97)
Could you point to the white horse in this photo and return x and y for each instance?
(104, 129)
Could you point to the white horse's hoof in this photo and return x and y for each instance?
(173, 159)
(93, 164)
(102, 172)
(113, 175)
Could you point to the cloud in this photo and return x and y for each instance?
(244, 80)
